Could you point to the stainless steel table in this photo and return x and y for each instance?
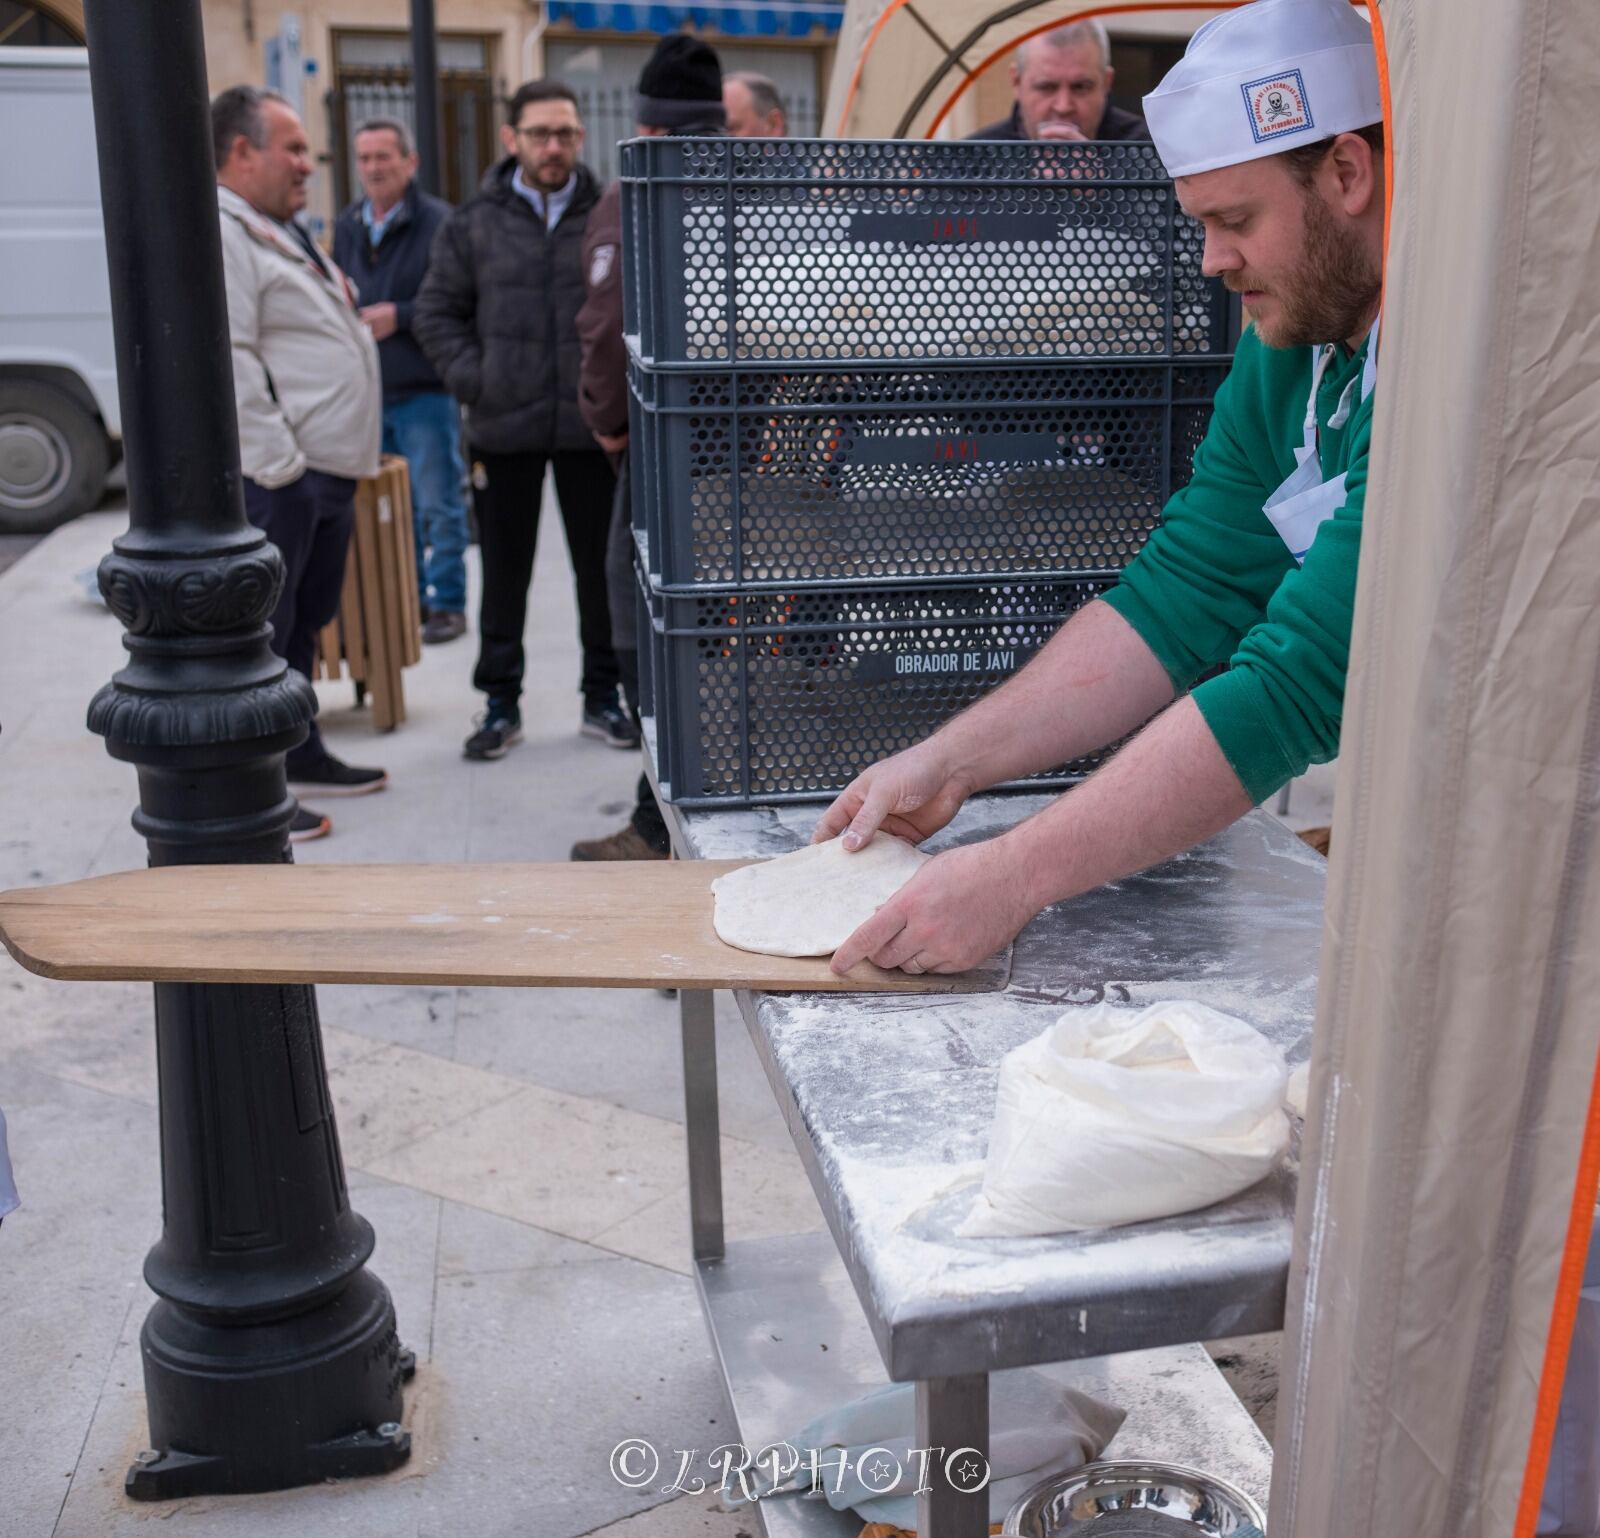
(890, 1099)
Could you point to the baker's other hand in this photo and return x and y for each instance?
(911, 795)
(959, 909)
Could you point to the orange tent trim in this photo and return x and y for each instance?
(1563, 1317)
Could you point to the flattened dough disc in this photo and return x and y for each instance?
(808, 902)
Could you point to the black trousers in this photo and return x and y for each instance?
(646, 819)
(507, 505)
(309, 521)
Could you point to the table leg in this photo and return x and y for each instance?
(701, 1121)
(953, 1419)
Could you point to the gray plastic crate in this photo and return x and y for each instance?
(763, 697)
(822, 251)
(822, 477)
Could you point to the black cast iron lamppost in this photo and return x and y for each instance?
(270, 1357)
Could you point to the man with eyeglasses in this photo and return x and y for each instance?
(497, 318)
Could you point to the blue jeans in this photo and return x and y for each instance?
(427, 431)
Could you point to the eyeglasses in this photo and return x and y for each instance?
(565, 137)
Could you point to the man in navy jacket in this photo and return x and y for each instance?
(382, 241)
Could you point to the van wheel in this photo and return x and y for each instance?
(53, 457)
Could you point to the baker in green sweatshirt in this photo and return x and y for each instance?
(1271, 127)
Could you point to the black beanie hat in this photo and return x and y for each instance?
(680, 85)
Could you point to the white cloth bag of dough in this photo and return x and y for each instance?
(1118, 1116)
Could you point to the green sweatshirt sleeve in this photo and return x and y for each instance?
(1215, 583)
(1280, 705)
(1204, 577)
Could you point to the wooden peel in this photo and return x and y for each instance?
(613, 924)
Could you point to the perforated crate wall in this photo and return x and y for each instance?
(809, 476)
(772, 696)
(819, 251)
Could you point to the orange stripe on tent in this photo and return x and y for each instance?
(1563, 1317)
(1380, 47)
(861, 63)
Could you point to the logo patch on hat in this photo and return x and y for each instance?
(1277, 105)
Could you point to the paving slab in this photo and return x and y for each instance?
(69, 1278)
(596, 1172)
(549, 1369)
(690, 1516)
(625, 1048)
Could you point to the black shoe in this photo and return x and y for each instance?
(308, 825)
(611, 724)
(444, 625)
(498, 727)
(329, 776)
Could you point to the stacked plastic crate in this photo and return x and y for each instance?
(898, 409)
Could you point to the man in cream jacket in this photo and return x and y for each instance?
(305, 378)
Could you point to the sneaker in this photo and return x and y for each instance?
(626, 844)
(498, 727)
(307, 825)
(444, 625)
(611, 724)
(329, 776)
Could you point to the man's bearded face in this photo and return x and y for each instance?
(1325, 296)
(1304, 271)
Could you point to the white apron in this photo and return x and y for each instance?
(1305, 501)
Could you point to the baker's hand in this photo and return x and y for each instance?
(960, 908)
(612, 443)
(911, 795)
(1061, 128)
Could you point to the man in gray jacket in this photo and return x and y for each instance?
(496, 316)
(305, 381)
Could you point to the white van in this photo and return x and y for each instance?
(60, 429)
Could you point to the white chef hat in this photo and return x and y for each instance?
(1266, 77)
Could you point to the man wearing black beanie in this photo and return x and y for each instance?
(680, 88)
(679, 92)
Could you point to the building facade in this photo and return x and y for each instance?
(341, 61)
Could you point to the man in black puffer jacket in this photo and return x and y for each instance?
(496, 316)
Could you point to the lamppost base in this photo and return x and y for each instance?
(333, 1375)
(176, 1475)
